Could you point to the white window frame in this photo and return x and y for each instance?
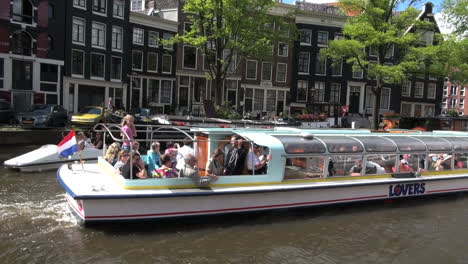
(403, 84)
(279, 50)
(285, 72)
(247, 69)
(132, 8)
(90, 66)
(83, 32)
(183, 57)
(123, 9)
(325, 67)
(84, 62)
(389, 98)
(78, 5)
(100, 13)
(310, 37)
(416, 95)
(392, 48)
(271, 71)
(135, 29)
(162, 63)
(431, 88)
(410, 106)
(308, 64)
(322, 44)
(97, 37)
(155, 33)
(121, 39)
(168, 47)
(339, 92)
(110, 72)
(341, 69)
(148, 61)
(137, 51)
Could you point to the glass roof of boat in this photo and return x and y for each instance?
(299, 144)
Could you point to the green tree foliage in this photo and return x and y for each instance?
(456, 13)
(377, 28)
(225, 31)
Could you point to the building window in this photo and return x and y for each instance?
(251, 70)
(51, 11)
(335, 93)
(166, 63)
(78, 35)
(338, 36)
(385, 98)
(453, 90)
(259, 95)
(431, 91)
(318, 93)
(453, 103)
(119, 8)
(336, 68)
(304, 62)
(248, 100)
(419, 90)
(152, 62)
(271, 100)
(137, 5)
(23, 11)
(21, 43)
(167, 36)
(97, 65)
(282, 49)
(2, 73)
(183, 91)
(462, 91)
(138, 36)
(373, 51)
(461, 105)
(79, 3)
(406, 88)
(302, 88)
(390, 52)
(137, 60)
(322, 38)
(266, 71)
(281, 71)
(98, 35)
(99, 6)
(190, 57)
(321, 65)
(77, 62)
(153, 39)
(358, 73)
(50, 43)
(116, 68)
(232, 64)
(117, 35)
(49, 77)
(166, 92)
(405, 109)
(428, 38)
(305, 37)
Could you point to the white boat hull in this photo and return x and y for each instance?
(107, 205)
(47, 158)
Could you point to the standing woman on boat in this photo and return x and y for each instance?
(128, 127)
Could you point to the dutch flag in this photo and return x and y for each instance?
(68, 145)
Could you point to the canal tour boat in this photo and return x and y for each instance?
(47, 158)
(307, 168)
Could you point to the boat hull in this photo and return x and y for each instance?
(190, 203)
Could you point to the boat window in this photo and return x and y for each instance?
(411, 162)
(380, 164)
(458, 142)
(342, 144)
(440, 161)
(345, 165)
(298, 144)
(461, 160)
(377, 144)
(435, 144)
(408, 144)
(304, 168)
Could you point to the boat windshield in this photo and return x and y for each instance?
(458, 143)
(408, 143)
(340, 144)
(377, 144)
(435, 144)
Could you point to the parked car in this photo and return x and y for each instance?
(90, 115)
(142, 115)
(7, 114)
(43, 115)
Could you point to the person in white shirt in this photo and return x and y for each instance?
(256, 162)
(183, 151)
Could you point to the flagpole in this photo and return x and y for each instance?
(81, 159)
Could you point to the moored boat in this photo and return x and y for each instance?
(307, 168)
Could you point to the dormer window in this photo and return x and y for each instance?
(23, 11)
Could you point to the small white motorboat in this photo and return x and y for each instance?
(47, 158)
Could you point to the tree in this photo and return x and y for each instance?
(225, 31)
(379, 29)
(456, 14)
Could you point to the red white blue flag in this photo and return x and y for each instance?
(68, 145)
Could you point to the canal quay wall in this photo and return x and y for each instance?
(13, 136)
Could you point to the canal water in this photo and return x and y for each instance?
(36, 227)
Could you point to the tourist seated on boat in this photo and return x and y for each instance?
(154, 156)
(404, 166)
(136, 147)
(214, 166)
(184, 150)
(166, 170)
(190, 171)
(112, 153)
(122, 159)
(441, 161)
(256, 161)
(356, 169)
(235, 159)
(172, 151)
(138, 170)
(97, 141)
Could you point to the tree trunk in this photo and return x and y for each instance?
(375, 111)
(218, 87)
